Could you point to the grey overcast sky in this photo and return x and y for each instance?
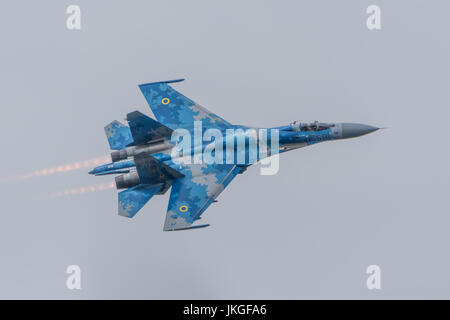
(308, 232)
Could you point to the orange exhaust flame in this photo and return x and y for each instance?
(81, 190)
(66, 168)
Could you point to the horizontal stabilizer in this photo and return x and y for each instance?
(133, 199)
(118, 134)
(192, 195)
(151, 170)
(144, 129)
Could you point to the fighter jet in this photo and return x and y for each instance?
(146, 164)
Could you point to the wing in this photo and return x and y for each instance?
(192, 194)
(174, 110)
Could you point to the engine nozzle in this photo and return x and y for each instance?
(128, 180)
(150, 148)
(118, 155)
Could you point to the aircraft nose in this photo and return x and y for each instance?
(351, 130)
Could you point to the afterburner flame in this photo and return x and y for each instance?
(86, 189)
(66, 168)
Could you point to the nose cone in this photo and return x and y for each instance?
(351, 130)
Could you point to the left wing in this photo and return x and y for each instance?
(174, 110)
(192, 194)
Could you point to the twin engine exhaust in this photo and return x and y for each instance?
(131, 179)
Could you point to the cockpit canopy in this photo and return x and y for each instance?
(310, 126)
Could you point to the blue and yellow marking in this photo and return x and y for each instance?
(165, 101)
(183, 208)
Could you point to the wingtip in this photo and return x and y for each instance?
(160, 82)
(186, 228)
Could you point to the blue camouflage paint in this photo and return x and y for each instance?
(288, 137)
(194, 186)
(112, 167)
(178, 111)
(118, 134)
(133, 199)
(197, 190)
(112, 172)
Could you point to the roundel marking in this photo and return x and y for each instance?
(184, 208)
(165, 101)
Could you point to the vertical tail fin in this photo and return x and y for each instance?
(118, 134)
(151, 170)
(145, 129)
